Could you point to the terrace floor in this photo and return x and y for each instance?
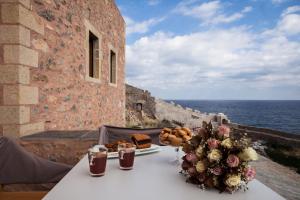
(279, 178)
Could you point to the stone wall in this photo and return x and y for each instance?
(267, 135)
(44, 84)
(180, 115)
(146, 111)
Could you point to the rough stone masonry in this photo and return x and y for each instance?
(45, 82)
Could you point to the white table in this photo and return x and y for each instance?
(153, 177)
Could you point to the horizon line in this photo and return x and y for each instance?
(230, 99)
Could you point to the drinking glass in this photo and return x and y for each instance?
(97, 160)
(126, 155)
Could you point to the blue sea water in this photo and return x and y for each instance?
(275, 114)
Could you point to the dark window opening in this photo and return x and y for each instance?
(93, 56)
(139, 106)
(113, 68)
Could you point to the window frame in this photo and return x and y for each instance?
(89, 28)
(112, 49)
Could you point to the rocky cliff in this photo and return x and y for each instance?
(144, 110)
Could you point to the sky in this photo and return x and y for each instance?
(199, 49)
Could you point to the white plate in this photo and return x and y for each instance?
(152, 149)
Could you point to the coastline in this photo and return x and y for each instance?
(146, 111)
(278, 115)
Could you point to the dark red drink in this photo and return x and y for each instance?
(126, 155)
(98, 165)
(97, 161)
(127, 161)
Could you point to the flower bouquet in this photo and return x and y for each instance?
(214, 159)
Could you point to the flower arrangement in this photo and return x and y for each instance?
(214, 159)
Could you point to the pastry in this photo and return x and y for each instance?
(141, 141)
(168, 130)
(164, 136)
(113, 147)
(182, 132)
(176, 141)
(187, 130)
(175, 137)
(170, 137)
(186, 138)
(177, 134)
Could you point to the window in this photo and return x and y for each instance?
(93, 54)
(113, 67)
(94, 64)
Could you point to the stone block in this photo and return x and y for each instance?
(11, 74)
(19, 95)
(14, 34)
(19, 130)
(25, 3)
(14, 114)
(40, 45)
(15, 13)
(17, 54)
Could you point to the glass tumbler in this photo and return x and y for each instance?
(97, 160)
(126, 155)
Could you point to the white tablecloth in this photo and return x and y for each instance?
(153, 177)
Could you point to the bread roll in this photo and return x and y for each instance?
(176, 141)
(182, 133)
(175, 137)
(186, 129)
(167, 130)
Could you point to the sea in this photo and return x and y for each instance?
(282, 115)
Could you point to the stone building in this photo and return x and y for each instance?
(61, 65)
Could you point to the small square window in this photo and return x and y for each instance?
(94, 64)
(113, 67)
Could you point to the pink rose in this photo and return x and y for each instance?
(213, 143)
(233, 160)
(201, 177)
(217, 171)
(191, 157)
(249, 173)
(192, 171)
(185, 165)
(223, 131)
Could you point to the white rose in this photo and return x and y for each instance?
(233, 180)
(227, 143)
(199, 151)
(200, 166)
(215, 155)
(248, 154)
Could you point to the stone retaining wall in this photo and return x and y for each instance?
(268, 135)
